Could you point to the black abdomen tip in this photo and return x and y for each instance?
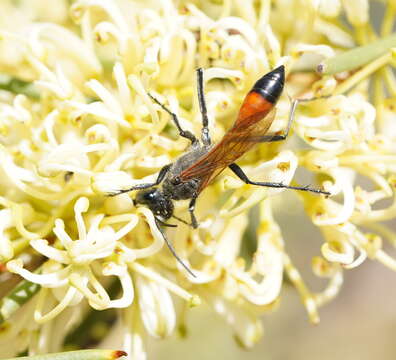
(271, 84)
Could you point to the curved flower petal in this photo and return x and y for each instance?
(55, 279)
(156, 307)
(126, 283)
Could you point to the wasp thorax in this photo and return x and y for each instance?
(158, 203)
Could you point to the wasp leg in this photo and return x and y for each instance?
(171, 248)
(205, 136)
(186, 134)
(160, 177)
(181, 220)
(191, 208)
(239, 172)
(280, 137)
(164, 223)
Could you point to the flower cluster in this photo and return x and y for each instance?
(77, 124)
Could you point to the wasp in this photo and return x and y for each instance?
(191, 173)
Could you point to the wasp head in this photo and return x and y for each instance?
(157, 202)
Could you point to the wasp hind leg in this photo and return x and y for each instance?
(205, 136)
(160, 177)
(183, 133)
(280, 137)
(239, 172)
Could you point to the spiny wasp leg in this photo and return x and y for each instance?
(171, 248)
(161, 176)
(202, 106)
(183, 133)
(239, 172)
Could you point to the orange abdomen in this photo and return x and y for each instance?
(254, 108)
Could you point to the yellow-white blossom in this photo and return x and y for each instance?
(77, 125)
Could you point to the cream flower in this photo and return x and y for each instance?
(77, 124)
(71, 271)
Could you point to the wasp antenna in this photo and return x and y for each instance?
(172, 249)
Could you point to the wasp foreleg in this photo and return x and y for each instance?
(160, 177)
(164, 223)
(181, 220)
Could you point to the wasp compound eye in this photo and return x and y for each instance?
(147, 196)
(156, 201)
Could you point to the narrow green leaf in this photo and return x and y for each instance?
(77, 355)
(16, 298)
(18, 86)
(357, 57)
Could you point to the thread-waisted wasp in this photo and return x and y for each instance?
(192, 172)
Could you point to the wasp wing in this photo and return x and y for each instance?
(246, 132)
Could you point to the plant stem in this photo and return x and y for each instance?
(357, 57)
(363, 73)
(77, 355)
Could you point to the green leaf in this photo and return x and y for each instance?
(357, 57)
(16, 298)
(77, 355)
(18, 86)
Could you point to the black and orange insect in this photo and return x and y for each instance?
(192, 172)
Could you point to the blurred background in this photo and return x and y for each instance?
(359, 324)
